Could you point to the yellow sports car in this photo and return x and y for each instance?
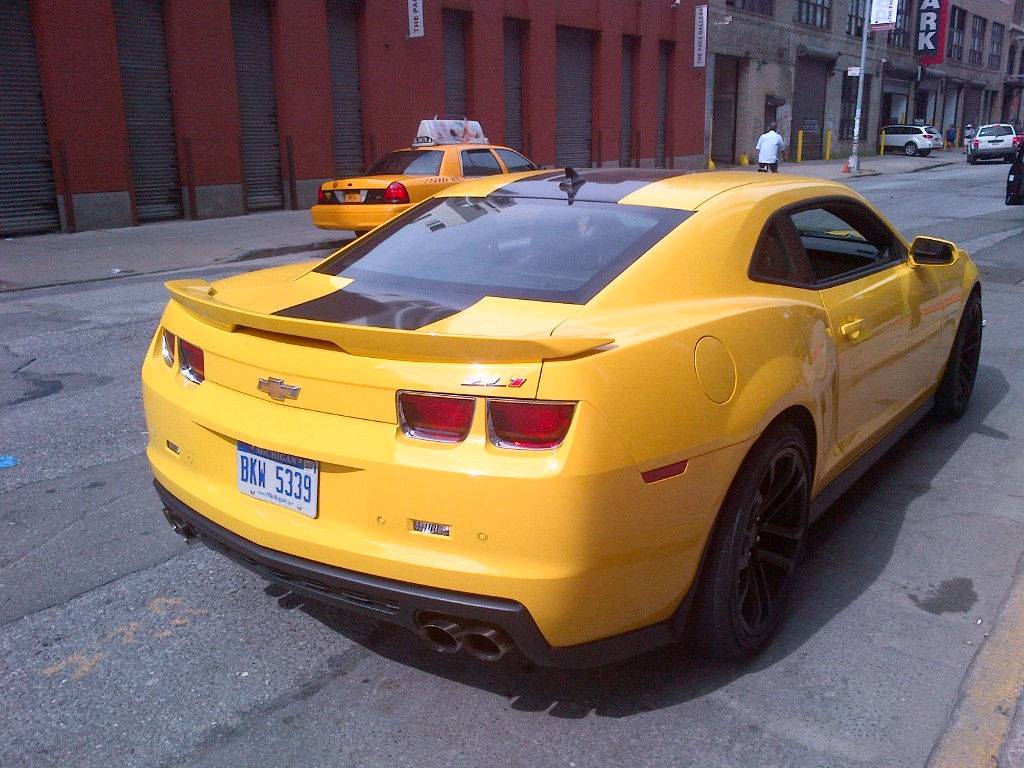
(581, 414)
(402, 178)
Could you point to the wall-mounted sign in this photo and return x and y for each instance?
(931, 31)
(853, 71)
(700, 35)
(415, 18)
(883, 15)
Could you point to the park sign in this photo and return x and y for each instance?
(930, 47)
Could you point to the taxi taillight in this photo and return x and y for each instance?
(396, 193)
(321, 196)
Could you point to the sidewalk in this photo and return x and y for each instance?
(42, 260)
(58, 259)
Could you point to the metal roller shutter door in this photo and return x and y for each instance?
(664, 54)
(344, 65)
(574, 83)
(514, 84)
(809, 107)
(626, 124)
(454, 23)
(28, 200)
(152, 149)
(257, 107)
(972, 106)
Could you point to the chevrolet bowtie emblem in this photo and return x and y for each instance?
(277, 389)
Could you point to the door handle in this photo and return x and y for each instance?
(851, 329)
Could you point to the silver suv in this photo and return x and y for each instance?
(998, 140)
(912, 139)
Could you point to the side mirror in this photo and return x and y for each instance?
(931, 251)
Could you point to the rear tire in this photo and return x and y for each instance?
(910, 149)
(755, 547)
(957, 381)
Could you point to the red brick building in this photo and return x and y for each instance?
(116, 112)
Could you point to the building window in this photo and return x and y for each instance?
(898, 38)
(814, 13)
(766, 7)
(848, 108)
(977, 40)
(996, 52)
(855, 18)
(957, 24)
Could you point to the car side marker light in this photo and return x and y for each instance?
(663, 473)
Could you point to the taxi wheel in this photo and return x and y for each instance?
(962, 368)
(755, 547)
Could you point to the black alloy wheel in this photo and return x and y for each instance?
(756, 547)
(910, 149)
(957, 381)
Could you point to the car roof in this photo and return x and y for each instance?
(683, 190)
(442, 147)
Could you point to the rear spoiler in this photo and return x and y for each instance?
(199, 297)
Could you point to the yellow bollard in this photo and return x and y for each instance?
(711, 164)
(799, 146)
(881, 144)
(828, 144)
(744, 160)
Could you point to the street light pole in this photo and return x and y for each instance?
(854, 156)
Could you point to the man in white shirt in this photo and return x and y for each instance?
(769, 147)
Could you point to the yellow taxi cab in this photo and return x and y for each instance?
(444, 153)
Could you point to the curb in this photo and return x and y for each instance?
(251, 255)
(979, 726)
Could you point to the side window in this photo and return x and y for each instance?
(479, 162)
(843, 240)
(514, 161)
(778, 257)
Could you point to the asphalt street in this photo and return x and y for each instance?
(122, 646)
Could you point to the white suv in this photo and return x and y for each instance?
(998, 140)
(912, 139)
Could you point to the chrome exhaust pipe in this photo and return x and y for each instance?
(180, 527)
(442, 635)
(486, 643)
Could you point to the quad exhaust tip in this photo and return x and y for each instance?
(450, 635)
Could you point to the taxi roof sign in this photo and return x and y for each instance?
(433, 132)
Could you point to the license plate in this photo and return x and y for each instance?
(351, 197)
(279, 478)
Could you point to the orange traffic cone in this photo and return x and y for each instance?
(846, 166)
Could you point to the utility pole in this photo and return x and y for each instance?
(854, 156)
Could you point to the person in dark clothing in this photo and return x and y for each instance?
(1015, 179)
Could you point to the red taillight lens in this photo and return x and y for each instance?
(191, 361)
(928, 136)
(442, 418)
(528, 423)
(167, 347)
(321, 196)
(975, 144)
(396, 193)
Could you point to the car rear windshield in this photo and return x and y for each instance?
(425, 162)
(996, 130)
(462, 249)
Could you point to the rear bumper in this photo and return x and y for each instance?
(411, 605)
(357, 218)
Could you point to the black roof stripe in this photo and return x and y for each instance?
(600, 185)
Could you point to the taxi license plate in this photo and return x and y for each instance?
(352, 197)
(279, 478)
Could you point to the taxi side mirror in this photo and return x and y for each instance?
(931, 251)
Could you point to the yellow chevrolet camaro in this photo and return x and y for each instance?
(404, 177)
(581, 414)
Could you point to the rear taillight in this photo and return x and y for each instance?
(441, 418)
(191, 361)
(928, 136)
(167, 347)
(321, 196)
(396, 193)
(975, 144)
(528, 424)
